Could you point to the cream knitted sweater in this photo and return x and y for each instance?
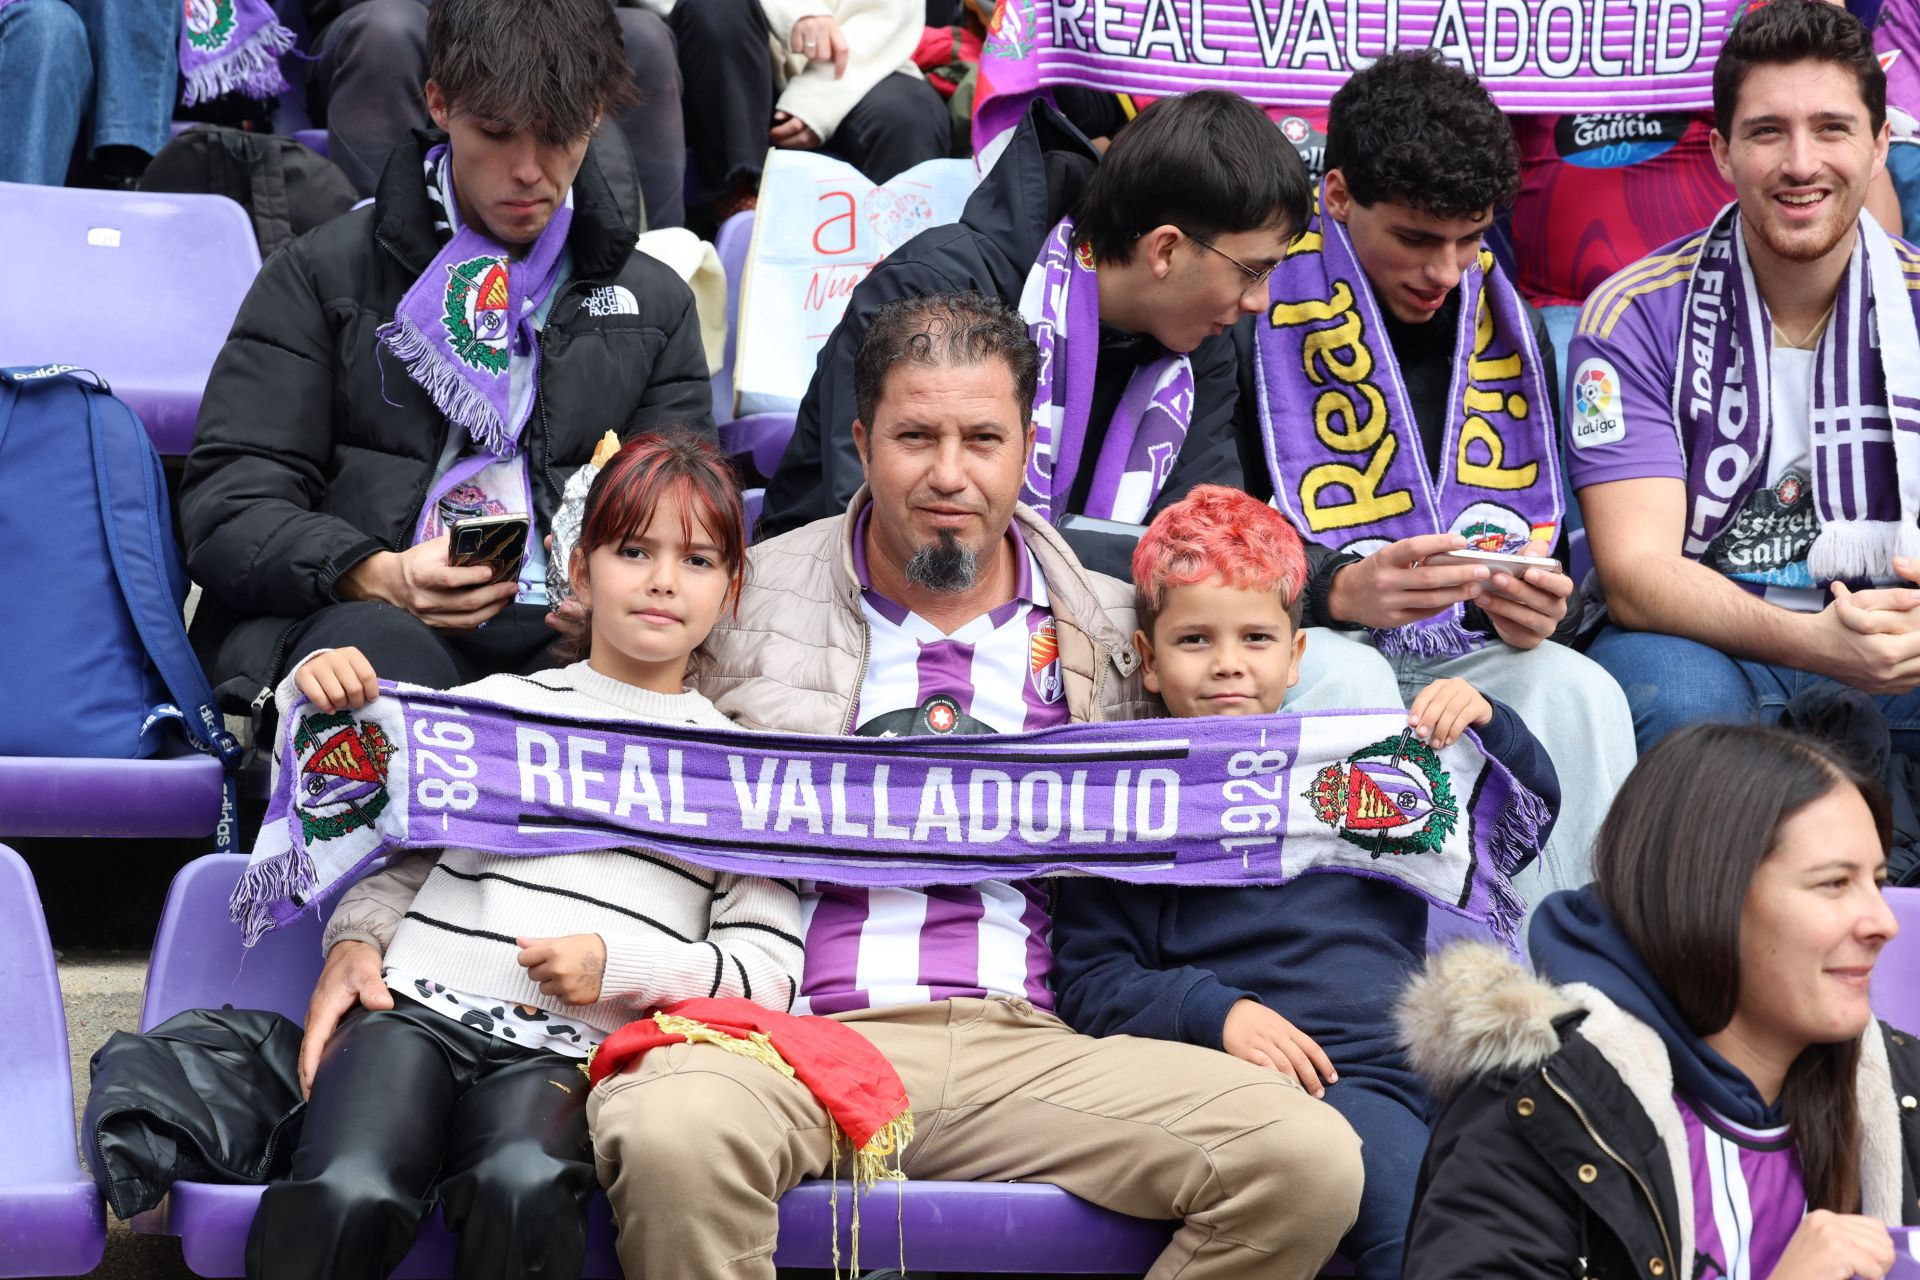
(672, 930)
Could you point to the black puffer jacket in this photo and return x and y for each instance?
(991, 249)
(1560, 1152)
(312, 453)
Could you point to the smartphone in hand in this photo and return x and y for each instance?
(497, 541)
(1498, 561)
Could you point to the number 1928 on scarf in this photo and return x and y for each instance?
(1254, 800)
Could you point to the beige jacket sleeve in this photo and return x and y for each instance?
(370, 911)
(881, 37)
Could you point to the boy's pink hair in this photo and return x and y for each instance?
(1219, 531)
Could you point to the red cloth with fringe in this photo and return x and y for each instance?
(852, 1079)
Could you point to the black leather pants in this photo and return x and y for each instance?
(410, 1107)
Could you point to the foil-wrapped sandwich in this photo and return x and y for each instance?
(568, 519)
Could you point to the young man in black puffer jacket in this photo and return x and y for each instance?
(324, 477)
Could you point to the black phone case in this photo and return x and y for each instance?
(503, 546)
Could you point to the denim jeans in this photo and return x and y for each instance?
(1672, 682)
(115, 62)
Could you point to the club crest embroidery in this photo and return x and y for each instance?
(1084, 256)
(476, 313)
(1392, 797)
(209, 23)
(1043, 662)
(1010, 33)
(343, 774)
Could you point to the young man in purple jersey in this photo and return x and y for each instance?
(1741, 413)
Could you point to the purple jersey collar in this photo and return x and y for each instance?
(1027, 587)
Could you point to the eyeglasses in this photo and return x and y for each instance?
(1255, 275)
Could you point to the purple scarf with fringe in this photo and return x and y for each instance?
(229, 46)
(1866, 402)
(1226, 800)
(469, 313)
(1344, 446)
(1061, 305)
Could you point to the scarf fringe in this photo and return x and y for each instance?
(287, 876)
(452, 395)
(870, 1161)
(252, 68)
(1439, 637)
(1515, 835)
(1847, 550)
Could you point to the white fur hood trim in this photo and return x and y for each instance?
(1472, 1011)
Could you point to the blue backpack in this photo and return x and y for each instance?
(92, 583)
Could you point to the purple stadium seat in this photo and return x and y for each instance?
(731, 243)
(51, 1220)
(1896, 978)
(99, 799)
(953, 1226)
(140, 288)
(756, 442)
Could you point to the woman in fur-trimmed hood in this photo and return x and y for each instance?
(1696, 1087)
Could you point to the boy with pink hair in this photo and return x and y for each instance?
(1302, 978)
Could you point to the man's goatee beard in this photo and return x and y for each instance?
(944, 566)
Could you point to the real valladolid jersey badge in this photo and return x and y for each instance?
(476, 313)
(343, 774)
(1392, 797)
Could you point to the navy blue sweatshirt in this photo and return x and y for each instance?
(1328, 952)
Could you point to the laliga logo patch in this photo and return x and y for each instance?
(1043, 662)
(343, 774)
(476, 313)
(1597, 409)
(1392, 797)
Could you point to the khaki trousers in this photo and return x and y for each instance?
(695, 1146)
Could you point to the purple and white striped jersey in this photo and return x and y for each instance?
(1748, 1194)
(1000, 673)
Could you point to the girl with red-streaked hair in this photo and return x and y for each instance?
(419, 1082)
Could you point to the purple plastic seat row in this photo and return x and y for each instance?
(144, 289)
(1896, 978)
(51, 1220)
(163, 799)
(984, 1227)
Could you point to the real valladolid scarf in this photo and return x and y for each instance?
(1342, 440)
(469, 313)
(1061, 305)
(1865, 413)
(229, 46)
(1223, 800)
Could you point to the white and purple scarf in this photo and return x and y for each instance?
(1866, 403)
(1222, 800)
(470, 312)
(1344, 446)
(229, 46)
(1061, 305)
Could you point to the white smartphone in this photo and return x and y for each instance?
(1514, 564)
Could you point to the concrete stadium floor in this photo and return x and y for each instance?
(101, 989)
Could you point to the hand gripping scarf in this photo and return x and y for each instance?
(1343, 443)
(469, 313)
(1254, 800)
(1061, 304)
(865, 1101)
(229, 46)
(1866, 402)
